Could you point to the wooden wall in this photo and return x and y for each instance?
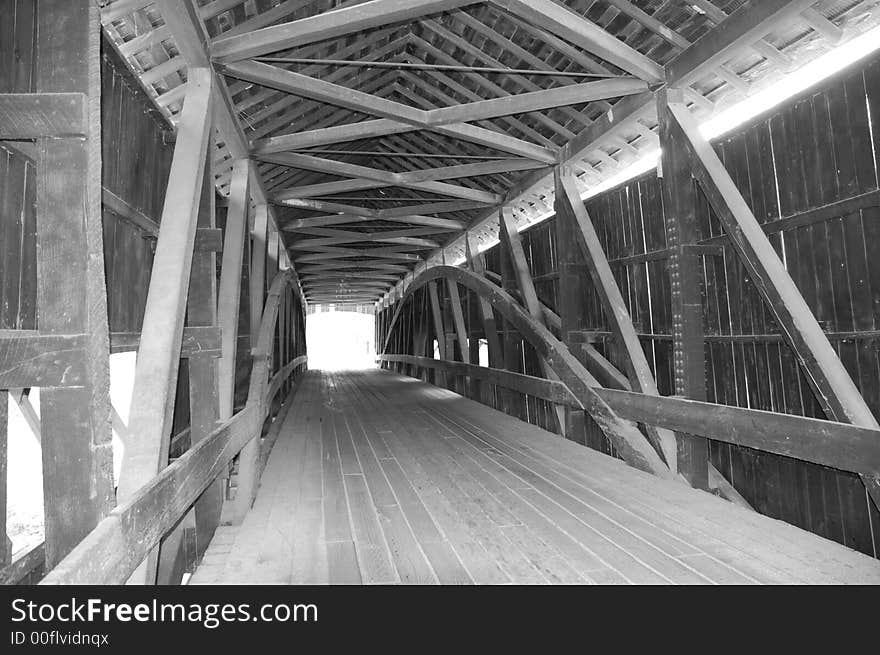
(136, 153)
(809, 172)
(137, 146)
(18, 272)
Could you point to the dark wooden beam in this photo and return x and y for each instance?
(551, 390)
(71, 295)
(527, 292)
(838, 445)
(686, 273)
(477, 264)
(30, 359)
(112, 552)
(39, 115)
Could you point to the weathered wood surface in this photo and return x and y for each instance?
(29, 359)
(26, 569)
(262, 353)
(110, 553)
(571, 372)
(834, 387)
(197, 340)
(551, 390)
(821, 219)
(71, 295)
(157, 366)
(376, 478)
(640, 376)
(34, 115)
(828, 443)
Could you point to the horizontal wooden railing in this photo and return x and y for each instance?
(841, 446)
(542, 388)
(122, 540)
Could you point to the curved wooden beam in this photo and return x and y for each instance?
(625, 435)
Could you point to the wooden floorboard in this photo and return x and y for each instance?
(377, 478)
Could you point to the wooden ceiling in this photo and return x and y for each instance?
(384, 129)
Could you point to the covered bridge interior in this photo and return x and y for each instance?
(627, 317)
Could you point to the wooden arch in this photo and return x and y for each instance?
(624, 434)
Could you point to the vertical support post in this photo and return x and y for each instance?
(682, 231)
(438, 329)
(249, 457)
(155, 379)
(71, 296)
(203, 389)
(528, 293)
(230, 282)
(638, 370)
(573, 280)
(831, 382)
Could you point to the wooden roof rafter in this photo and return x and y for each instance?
(560, 40)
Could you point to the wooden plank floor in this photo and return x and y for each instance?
(379, 479)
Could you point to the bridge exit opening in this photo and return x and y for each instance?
(341, 337)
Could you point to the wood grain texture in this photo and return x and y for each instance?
(457, 493)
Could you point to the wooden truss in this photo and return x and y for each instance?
(389, 104)
(358, 150)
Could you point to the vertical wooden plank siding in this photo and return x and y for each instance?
(807, 172)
